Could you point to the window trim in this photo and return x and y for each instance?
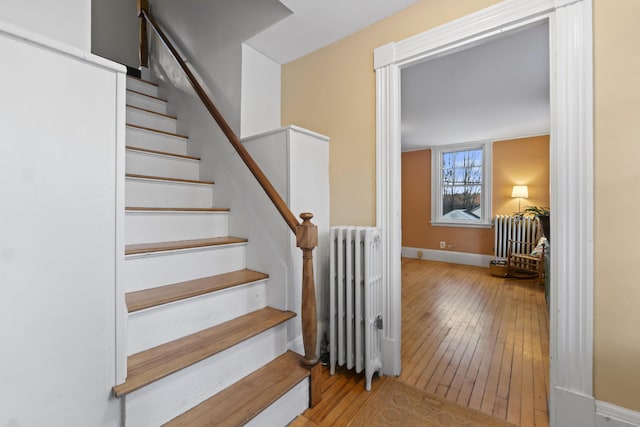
(436, 185)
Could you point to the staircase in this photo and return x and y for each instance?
(203, 346)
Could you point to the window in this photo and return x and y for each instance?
(461, 185)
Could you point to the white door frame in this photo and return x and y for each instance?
(571, 401)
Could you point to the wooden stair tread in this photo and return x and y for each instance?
(176, 135)
(163, 153)
(141, 248)
(156, 363)
(164, 178)
(175, 209)
(148, 298)
(242, 401)
(152, 112)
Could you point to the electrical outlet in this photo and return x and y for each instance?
(419, 254)
(443, 245)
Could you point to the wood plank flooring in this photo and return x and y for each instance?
(468, 337)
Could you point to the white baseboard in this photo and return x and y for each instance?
(477, 260)
(390, 360)
(296, 344)
(572, 408)
(608, 415)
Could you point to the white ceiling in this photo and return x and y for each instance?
(318, 23)
(495, 90)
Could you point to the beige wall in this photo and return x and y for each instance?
(332, 91)
(617, 202)
(517, 161)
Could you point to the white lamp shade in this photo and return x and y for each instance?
(520, 191)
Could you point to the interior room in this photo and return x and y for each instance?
(477, 123)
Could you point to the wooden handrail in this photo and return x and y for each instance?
(306, 233)
(279, 203)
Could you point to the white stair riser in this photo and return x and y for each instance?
(171, 396)
(146, 102)
(165, 268)
(156, 141)
(148, 227)
(149, 193)
(142, 163)
(140, 86)
(146, 74)
(152, 327)
(151, 120)
(285, 409)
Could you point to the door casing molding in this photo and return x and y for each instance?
(571, 399)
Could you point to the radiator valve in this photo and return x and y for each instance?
(324, 350)
(379, 321)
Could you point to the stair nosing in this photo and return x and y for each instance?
(149, 366)
(142, 80)
(175, 209)
(190, 289)
(239, 414)
(167, 179)
(164, 132)
(175, 245)
(166, 116)
(148, 96)
(161, 153)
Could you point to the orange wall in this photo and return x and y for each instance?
(519, 161)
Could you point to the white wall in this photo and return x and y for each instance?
(58, 147)
(260, 100)
(67, 21)
(210, 35)
(296, 161)
(114, 30)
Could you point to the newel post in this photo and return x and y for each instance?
(307, 240)
(144, 48)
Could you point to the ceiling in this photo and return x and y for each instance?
(317, 23)
(495, 90)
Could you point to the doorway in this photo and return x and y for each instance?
(571, 322)
(474, 123)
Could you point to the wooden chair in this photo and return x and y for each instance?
(526, 259)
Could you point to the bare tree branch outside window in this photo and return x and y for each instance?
(462, 184)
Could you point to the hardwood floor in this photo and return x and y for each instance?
(468, 337)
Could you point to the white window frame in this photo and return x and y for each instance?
(436, 185)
